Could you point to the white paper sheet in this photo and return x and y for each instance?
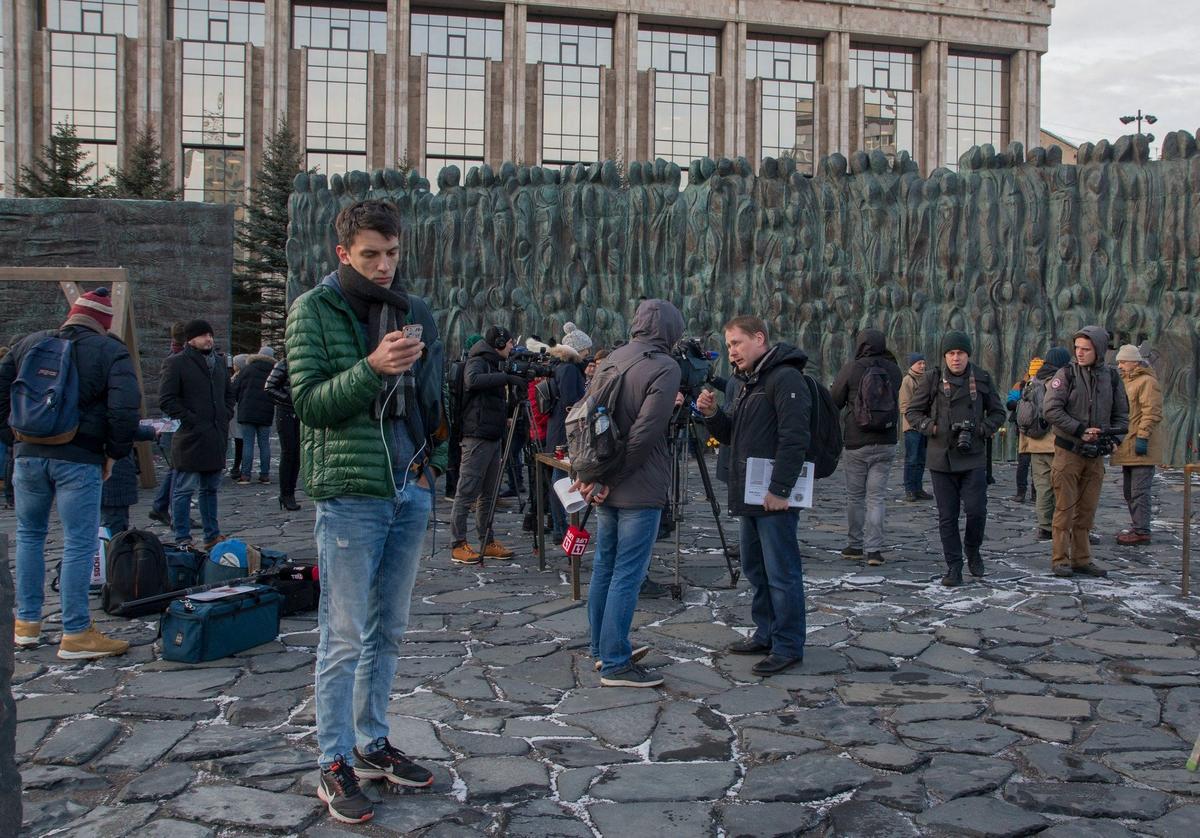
(758, 479)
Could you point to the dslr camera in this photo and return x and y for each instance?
(695, 365)
(1104, 445)
(963, 434)
(530, 366)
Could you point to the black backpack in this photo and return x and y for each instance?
(136, 568)
(825, 429)
(545, 393)
(875, 404)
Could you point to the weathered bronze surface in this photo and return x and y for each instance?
(1019, 250)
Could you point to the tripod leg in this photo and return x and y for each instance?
(734, 573)
(677, 461)
(505, 451)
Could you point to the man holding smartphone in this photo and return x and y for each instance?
(365, 363)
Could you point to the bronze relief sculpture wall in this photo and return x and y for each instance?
(1018, 250)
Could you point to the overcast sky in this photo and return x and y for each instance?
(1108, 58)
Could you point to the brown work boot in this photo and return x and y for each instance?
(463, 553)
(1129, 538)
(27, 634)
(495, 550)
(90, 644)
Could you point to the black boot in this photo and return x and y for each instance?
(953, 577)
(1019, 497)
(975, 565)
(287, 500)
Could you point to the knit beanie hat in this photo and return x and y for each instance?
(239, 361)
(95, 304)
(956, 340)
(196, 328)
(266, 350)
(913, 357)
(1058, 357)
(1034, 366)
(576, 338)
(1129, 352)
(472, 340)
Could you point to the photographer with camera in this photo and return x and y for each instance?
(957, 407)
(1087, 407)
(484, 423)
(769, 419)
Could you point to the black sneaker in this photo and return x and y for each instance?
(160, 517)
(875, 558)
(631, 676)
(852, 552)
(339, 790)
(389, 763)
(1091, 569)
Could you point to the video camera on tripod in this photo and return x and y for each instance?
(695, 366)
(529, 365)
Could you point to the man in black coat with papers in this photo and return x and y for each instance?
(768, 420)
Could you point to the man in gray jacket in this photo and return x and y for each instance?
(1087, 407)
(629, 507)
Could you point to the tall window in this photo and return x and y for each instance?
(889, 82)
(788, 70)
(572, 56)
(338, 40)
(83, 71)
(220, 21)
(457, 47)
(682, 61)
(976, 104)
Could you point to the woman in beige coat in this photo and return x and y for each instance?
(1142, 448)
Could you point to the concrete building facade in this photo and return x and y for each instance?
(396, 83)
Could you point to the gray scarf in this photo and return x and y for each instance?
(383, 310)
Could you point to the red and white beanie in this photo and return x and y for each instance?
(95, 304)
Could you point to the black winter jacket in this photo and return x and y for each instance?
(872, 351)
(568, 380)
(202, 400)
(768, 419)
(254, 405)
(109, 398)
(278, 387)
(485, 393)
(933, 414)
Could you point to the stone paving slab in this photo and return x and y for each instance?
(1017, 705)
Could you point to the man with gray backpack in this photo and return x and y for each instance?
(617, 440)
(1038, 438)
(71, 400)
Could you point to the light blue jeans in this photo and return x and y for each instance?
(250, 433)
(76, 486)
(185, 484)
(624, 542)
(368, 551)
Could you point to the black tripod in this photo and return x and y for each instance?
(520, 408)
(684, 435)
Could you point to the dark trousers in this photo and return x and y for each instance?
(453, 464)
(287, 424)
(772, 564)
(914, 461)
(957, 492)
(1023, 461)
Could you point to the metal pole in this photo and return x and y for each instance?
(1188, 471)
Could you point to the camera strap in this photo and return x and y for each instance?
(974, 390)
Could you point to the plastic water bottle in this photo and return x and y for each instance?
(602, 421)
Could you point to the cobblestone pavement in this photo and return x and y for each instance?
(1022, 704)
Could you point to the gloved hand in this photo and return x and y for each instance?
(1141, 446)
(515, 380)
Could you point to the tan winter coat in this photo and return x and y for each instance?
(1145, 415)
(907, 387)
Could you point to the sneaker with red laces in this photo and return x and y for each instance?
(386, 762)
(339, 790)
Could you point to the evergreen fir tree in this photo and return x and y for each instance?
(260, 284)
(147, 175)
(62, 170)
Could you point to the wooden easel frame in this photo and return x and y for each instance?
(124, 326)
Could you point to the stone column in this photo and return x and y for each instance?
(741, 100)
(625, 34)
(836, 73)
(20, 31)
(396, 105)
(10, 780)
(278, 34)
(733, 71)
(152, 34)
(1024, 98)
(514, 59)
(931, 107)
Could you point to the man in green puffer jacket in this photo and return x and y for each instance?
(366, 385)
